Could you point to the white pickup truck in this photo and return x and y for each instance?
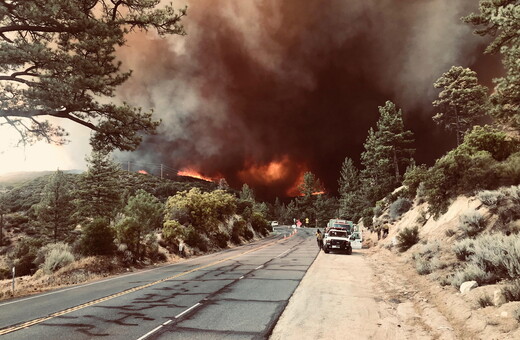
(337, 240)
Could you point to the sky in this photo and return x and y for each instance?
(259, 92)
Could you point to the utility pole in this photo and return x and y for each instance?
(128, 167)
(161, 171)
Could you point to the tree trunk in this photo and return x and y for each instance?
(396, 167)
(457, 124)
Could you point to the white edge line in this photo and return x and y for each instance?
(167, 322)
(150, 332)
(259, 267)
(186, 311)
(240, 278)
(284, 252)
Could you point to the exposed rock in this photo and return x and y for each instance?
(498, 298)
(467, 286)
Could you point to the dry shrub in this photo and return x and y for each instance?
(407, 238)
(485, 301)
(495, 257)
(472, 223)
(512, 291)
(464, 249)
(490, 197)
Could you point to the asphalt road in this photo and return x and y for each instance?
(234, 294)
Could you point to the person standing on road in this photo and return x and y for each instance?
(319, 239)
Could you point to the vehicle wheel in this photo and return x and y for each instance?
(349, 251)
(326, 250)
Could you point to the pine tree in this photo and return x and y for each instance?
(395, 139)
(349, 190)
(387, 152)
(462, 100)
(59, 60)
(100, 189)
(3, 211)
(500, 19)
(247, 193)
(143, 214)
(308, 189)
(56, 208)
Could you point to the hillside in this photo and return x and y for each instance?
(477, 240)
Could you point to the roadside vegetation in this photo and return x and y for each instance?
(51, 224)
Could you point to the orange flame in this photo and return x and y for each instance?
(194, 174)
(143, 172)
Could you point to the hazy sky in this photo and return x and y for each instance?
(261, 91)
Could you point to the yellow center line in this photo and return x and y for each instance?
(131, 290)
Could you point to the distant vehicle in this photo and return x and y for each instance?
(337, 240)
(274, 223)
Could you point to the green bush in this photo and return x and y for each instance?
(203, 211)
(414, 176)
(23, 256)
(472, 223)
(407, 238)
(399, 207)
(195, 239)
(486, 159)
(492, 140)
(173, 231)
(221, 239)
(97, 238)
(239, 229)
(259, 223)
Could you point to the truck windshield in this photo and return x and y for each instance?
(343, 226)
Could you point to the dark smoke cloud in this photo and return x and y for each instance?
(295, 82)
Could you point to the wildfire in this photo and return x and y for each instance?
(143, 172)
(194, 174)
(266, 174)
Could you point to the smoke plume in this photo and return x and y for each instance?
(261, 91)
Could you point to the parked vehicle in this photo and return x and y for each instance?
(353, 231)
(274, 223)
(337, 240)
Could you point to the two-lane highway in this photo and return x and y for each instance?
(238, 293)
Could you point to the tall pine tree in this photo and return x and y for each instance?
(387, 153)
(99, 194)
(500, 20)
(349, 191)
(462, 100)
(56, 208)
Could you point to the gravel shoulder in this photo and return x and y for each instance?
(359, 297)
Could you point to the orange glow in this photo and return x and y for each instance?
(194, 174)
(268, 173)
(143, 172)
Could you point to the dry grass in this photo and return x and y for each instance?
(83, 270)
